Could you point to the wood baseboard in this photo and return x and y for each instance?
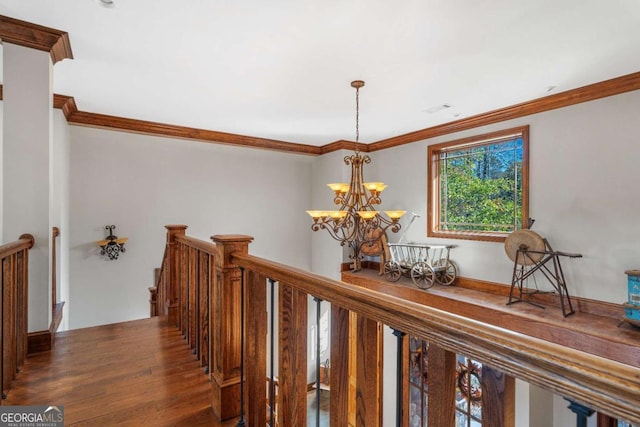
(40, 341)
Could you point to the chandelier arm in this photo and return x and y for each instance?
(332, 231)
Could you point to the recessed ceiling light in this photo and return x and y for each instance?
(107, 3)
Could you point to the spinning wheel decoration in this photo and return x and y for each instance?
(530, 253)
(528, 239)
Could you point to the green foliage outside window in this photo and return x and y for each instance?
(481, 187)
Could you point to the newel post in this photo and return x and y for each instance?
(173, 293)
(225, 318)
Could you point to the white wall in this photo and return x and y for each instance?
(141, 183)
(27, 138)
(583, 177)
(59, 205)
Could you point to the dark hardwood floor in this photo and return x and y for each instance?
(138, 373)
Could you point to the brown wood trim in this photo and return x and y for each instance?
(368, 373)
(572, 368)
(606, 421)
(39, 341)
(292, 356)
(340, 375)
(56, 317)
(344, 145)
(66, 103)
(615, 86)
(433, 183)
(35, 36)
(441, 382)
(256, 347)
(161, 129)
(26, 241)
(201, 245)
(55, 232)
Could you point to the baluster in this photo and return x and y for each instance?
(203, 310)
(272, 390)
(582, 412)
(399, 377)
(256, 347)
(23, 304)
(368, 376)
(318, 312)
(241, 422)
(339, 379)
(193, 299)
(184, 298)
(174, 291)
(292, 369)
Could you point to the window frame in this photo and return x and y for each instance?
(433, 184)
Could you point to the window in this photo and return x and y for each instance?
(479, 186)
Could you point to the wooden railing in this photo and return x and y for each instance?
(182, 289)
(601, 384)
(237, 289)
(197, 289)
(14, 305)
(55, 232)
(158, 292)
(56, 305)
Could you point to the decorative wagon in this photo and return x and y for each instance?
(425, 264)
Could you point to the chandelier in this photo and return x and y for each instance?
(357, 223)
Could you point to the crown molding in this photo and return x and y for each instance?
(615, 86)
(182, 132)
(35, 36)
(343, 144)
(66, 103)
(82, 118)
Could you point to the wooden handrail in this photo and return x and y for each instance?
(26, 241)
(55, 232)
(201, 245)
(602, 384)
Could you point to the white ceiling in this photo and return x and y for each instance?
(281, 69)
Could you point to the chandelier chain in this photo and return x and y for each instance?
(357, 117)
